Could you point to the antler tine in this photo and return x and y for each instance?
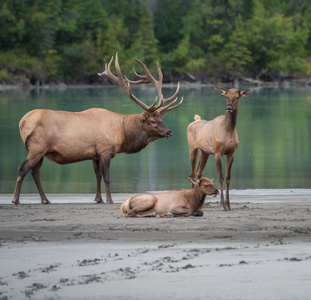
(133, 81)
(170, 107)
(121, 80)
(132, 97)
(142, 80)
(159, 86)
(107, 71)
(147, 75)
(173, 96)
(152, 107)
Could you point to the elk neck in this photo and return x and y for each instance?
(231, 119)
(195, 198)
(135, 138)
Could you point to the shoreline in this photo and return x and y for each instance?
(304, 82)
(249, 195)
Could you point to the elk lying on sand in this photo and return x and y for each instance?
(175, 203)
(218, 137)
(95, 134)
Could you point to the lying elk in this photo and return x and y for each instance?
(175, 203)
(95, 134)
(218, 137)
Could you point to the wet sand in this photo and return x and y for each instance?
(75, 249)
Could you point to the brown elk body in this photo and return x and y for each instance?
(95, 134)
(175, 203)
(218, 137)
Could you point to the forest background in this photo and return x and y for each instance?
(69, 41)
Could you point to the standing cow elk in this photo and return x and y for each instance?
(218, 137)
(95, 134)
(183, 203)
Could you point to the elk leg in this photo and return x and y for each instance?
(144, 214)
(221, 180)
(23, 169)
(202, 163)
(180, 211)
(193, 160)
(142, 206)
(99, 175)
(35, 172)
(105, 162)
(228, 177)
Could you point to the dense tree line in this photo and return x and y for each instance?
(44, 41)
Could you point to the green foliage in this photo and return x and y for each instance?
(7, 21)
(71, 40)
(235, 52)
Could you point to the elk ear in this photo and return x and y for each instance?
(244, 93)
(193, 180)
(220, 91)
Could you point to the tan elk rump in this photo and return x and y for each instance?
(95, 134)
(218, 137)
(171, 203)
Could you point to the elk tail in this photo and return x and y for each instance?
(24, 135)
(197, 118)
(21, 124)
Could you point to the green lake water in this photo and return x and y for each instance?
(274, 127)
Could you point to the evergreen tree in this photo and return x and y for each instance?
(235, 52)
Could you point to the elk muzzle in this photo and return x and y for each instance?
(229, 108)
(168, 134)
(216, 192)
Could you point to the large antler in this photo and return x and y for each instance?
(121, 82)
(124, 82)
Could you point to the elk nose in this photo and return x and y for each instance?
(229, 107)
(169, 133)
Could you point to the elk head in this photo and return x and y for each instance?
(152, 124)
(233, 97)
(205, 185)
(152, 118)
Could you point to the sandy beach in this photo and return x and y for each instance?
(75, 249)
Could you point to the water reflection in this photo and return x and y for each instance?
(273, 126)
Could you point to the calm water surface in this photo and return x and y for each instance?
(274, 127)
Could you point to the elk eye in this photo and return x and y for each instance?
(153, 122)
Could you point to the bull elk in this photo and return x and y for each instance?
(218, 137)
(175, 203)
(95, 134)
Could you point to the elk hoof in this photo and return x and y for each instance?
(197, 214)
(169, 215)
(225, 208)
(16, 202)
(131, 214)
(99, 201)
(45, 201)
